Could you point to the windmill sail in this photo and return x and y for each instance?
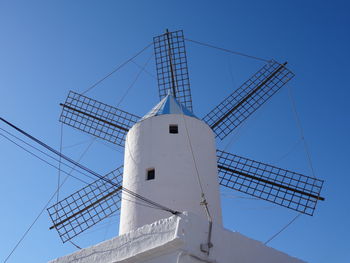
(97, 118)
(171, 64)
(270, 183)
(88, 206)
(238, 106)
(93, 203)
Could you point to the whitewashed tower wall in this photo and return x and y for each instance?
(150, 145)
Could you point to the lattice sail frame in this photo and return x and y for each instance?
(88, 206)
(96, 118)
(238, 106)
(286, 188)
(172, 69)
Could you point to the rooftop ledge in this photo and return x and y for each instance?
(177, 239)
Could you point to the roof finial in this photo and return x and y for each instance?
(170, 92)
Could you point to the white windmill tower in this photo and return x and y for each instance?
(171, 165)
(170, 157)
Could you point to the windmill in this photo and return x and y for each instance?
(100, 199)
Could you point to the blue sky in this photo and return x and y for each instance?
(50, 47)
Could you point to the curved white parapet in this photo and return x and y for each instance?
(175, 158)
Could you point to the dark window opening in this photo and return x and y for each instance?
(150, 174)
(173, 128)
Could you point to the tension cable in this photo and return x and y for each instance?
(116, 69)
(89, 170)
(227, 50)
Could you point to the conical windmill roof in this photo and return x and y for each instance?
(169, 105)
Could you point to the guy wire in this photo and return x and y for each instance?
(115, 70)
(40, 213)
(283, 228)
(298, 122)
(59, 165)
(43, 160)
(227, 50)
(42, 153)
(87, 169)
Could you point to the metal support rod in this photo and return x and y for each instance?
(206, 247)
(248, 96)
(272, 183)
(171, 64)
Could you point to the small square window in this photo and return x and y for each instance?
(173, 128)
(150, 174)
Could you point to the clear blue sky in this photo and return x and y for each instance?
(50, 47)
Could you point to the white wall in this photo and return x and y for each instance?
(177, 239)
(150, 145)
